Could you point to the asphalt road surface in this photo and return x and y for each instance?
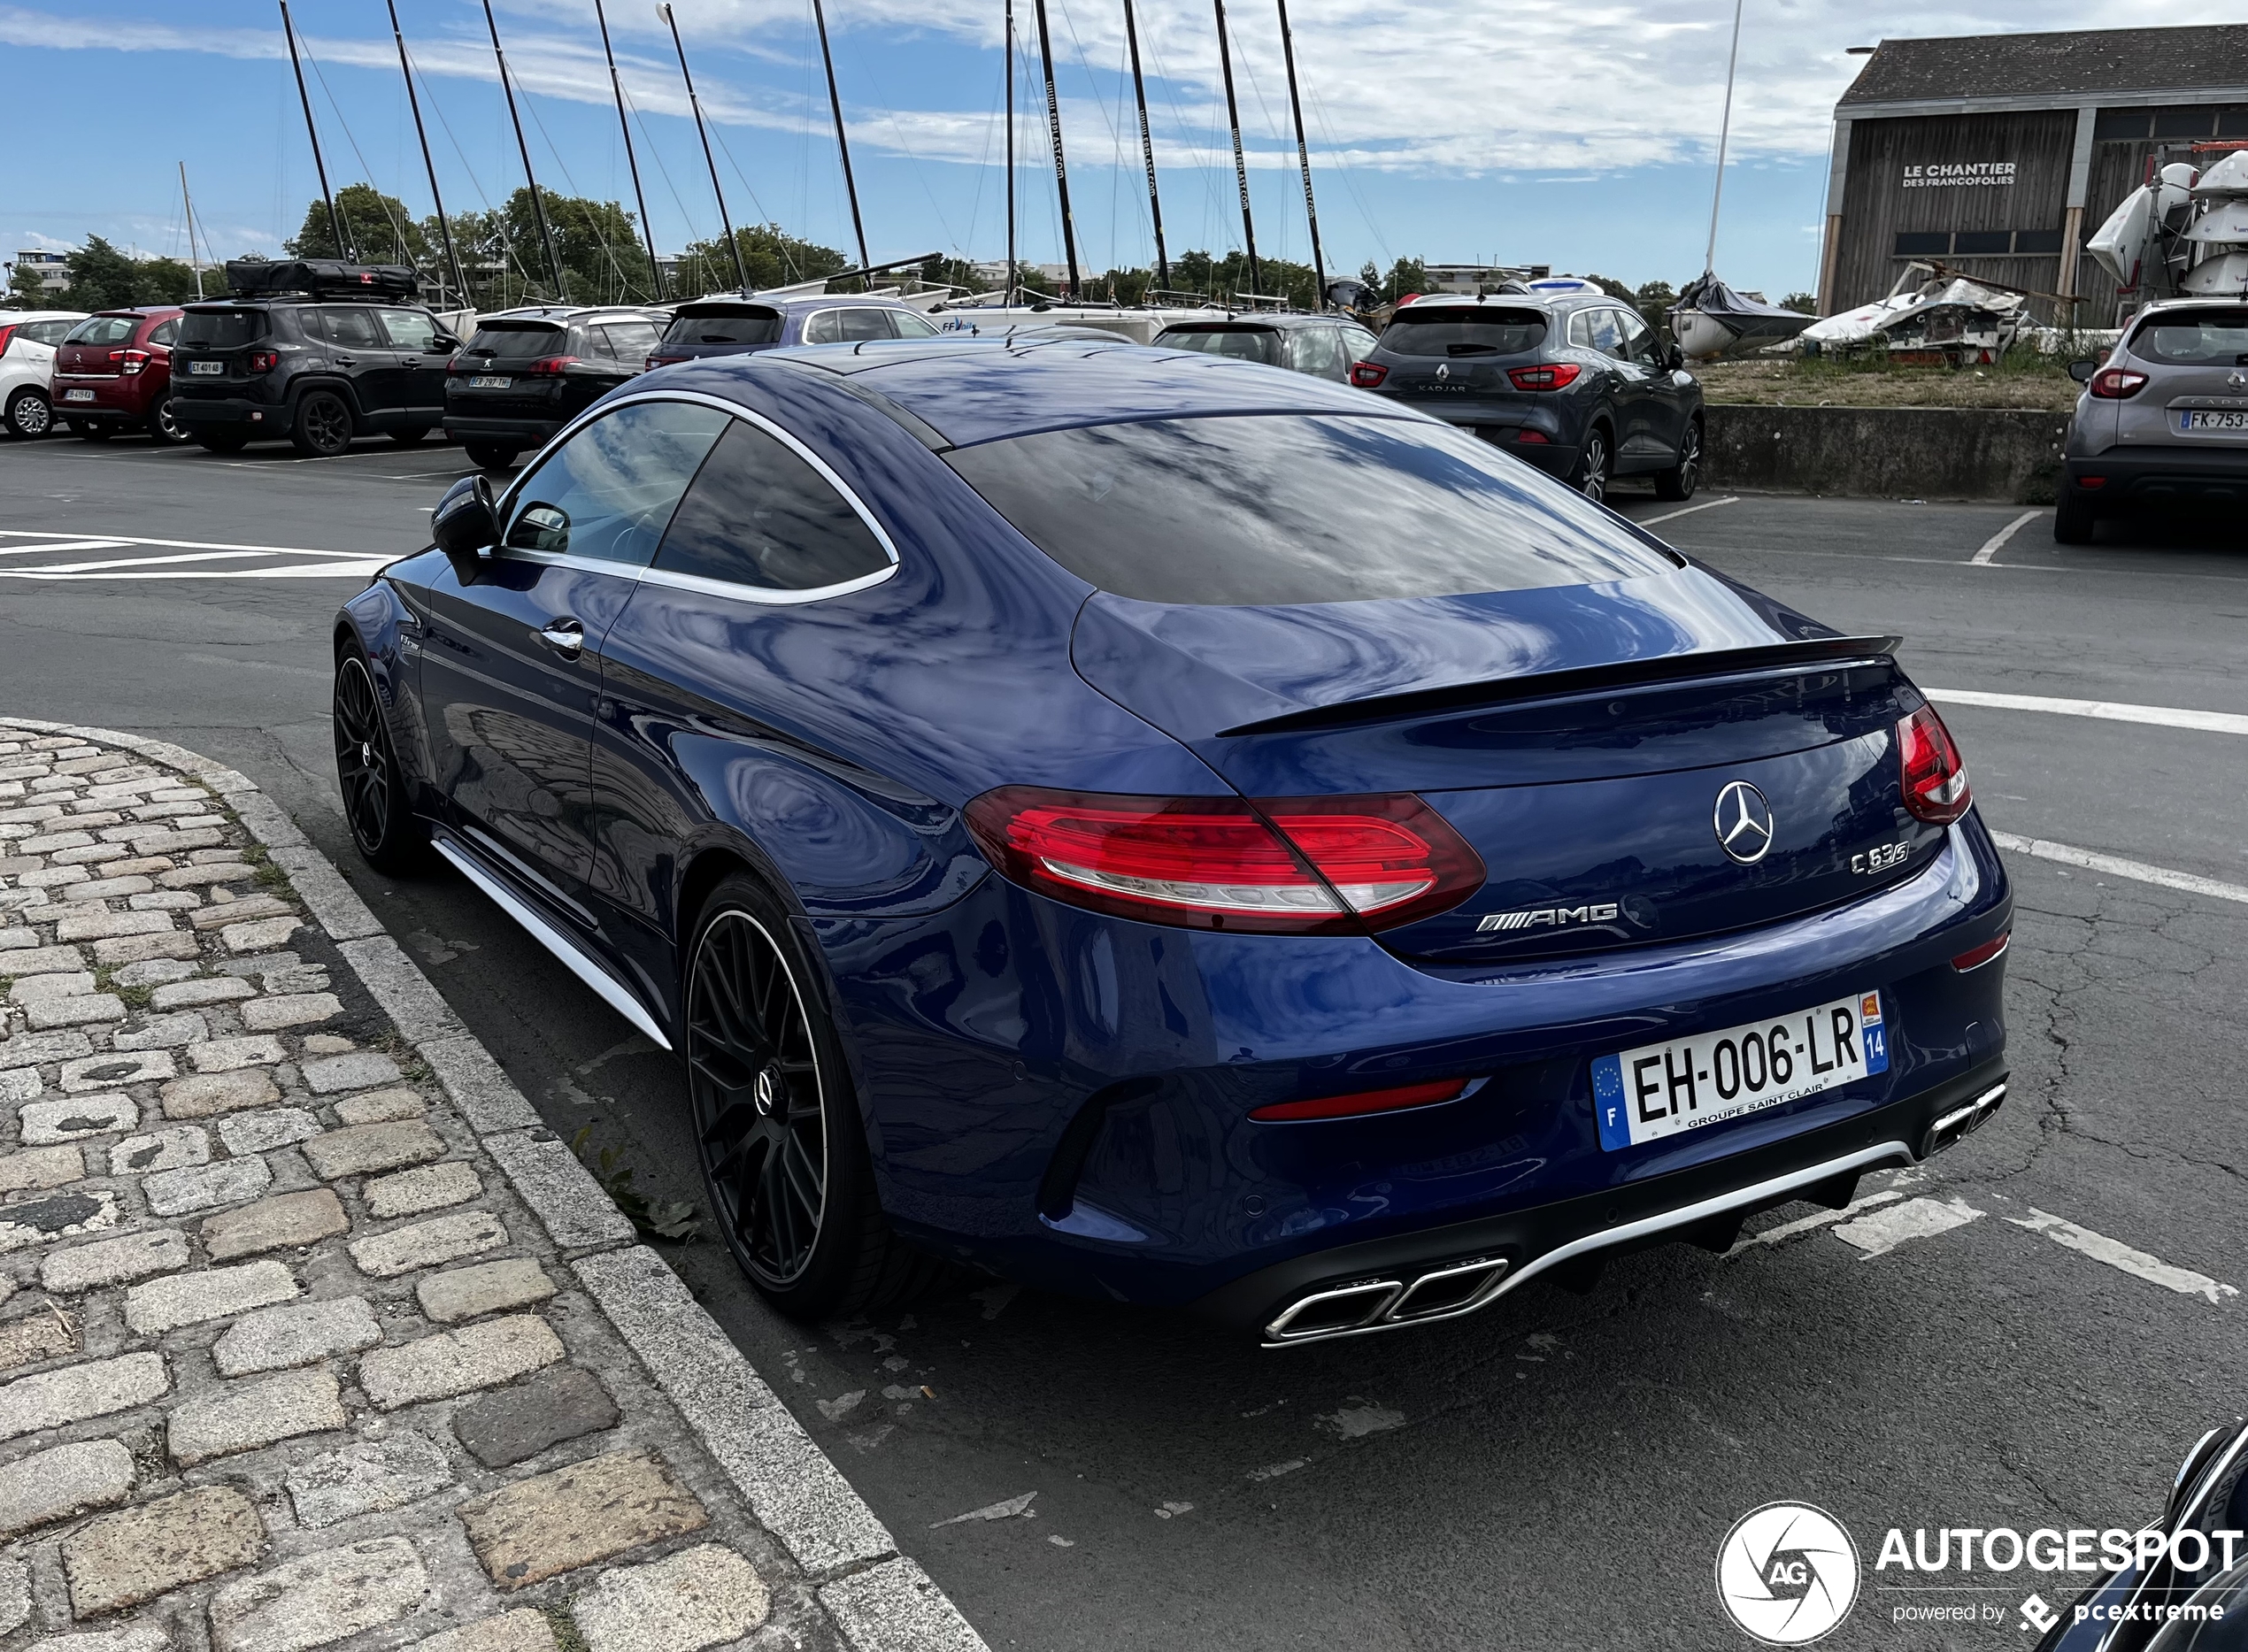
(2025, 1333)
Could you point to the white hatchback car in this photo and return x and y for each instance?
(28, 340)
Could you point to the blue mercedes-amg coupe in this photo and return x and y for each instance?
(1178, 831)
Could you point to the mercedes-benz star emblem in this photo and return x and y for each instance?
(1744, 822)
(768, 1092)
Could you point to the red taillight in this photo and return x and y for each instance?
(2117, 384)
(1538, 438)
(1366, 374)
(1318, 865)
(115, 356)
(552, 364)
(7, 333)
(263, 360)
(135, 361)
(1975, 958)
(1365, 1102)
(2091, 481)
(1935, 781)
(1552, 376)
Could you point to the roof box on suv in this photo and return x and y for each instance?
(321, 278)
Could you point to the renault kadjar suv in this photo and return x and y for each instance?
(2163, 422)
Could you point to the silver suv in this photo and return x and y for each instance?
(2163, 421)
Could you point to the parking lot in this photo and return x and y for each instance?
(2027, 1332)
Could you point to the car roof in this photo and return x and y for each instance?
(141, 310)
(1250, 321)
(16, 318)
(1510, 301)
(571, 312)
(971, 390)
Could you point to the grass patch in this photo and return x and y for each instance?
(657, 1220)
(567, 1638)
(2021, 378)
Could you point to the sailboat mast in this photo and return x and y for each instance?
(1724, 134)
(444, 224)
(843, 143)
(187, 207)
(1010, 297)
(1240, 159)
(617, 86)
(1061, 170)
(538, 208)
(1304, 159)
(741, 270)
(334, 220)
(1147, 148)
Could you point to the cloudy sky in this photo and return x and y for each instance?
(1577, 133)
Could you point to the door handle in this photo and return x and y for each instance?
(347, 361)
(565, 637)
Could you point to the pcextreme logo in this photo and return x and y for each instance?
(1787, 1573)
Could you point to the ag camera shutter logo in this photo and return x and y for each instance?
(1787, 1573)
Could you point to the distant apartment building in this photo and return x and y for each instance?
(53, 268)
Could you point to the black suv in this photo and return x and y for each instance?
(316, 351)
(529, 373)
(1576, 384)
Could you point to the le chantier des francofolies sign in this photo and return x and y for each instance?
(1944, 174)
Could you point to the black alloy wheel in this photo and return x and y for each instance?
(776, 1120)
(165, 430)
(1593, 466)
(1680, 480)
(30, 414)
(383, 828)
(323, 426)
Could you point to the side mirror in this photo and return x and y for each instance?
(2082, 371)
(1673, 358)
(465, 525)
(444, 342)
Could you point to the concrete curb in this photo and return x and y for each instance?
(880, 1600)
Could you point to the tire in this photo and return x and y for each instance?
(777, 1131)
(410, 436)
(1595, 464)
(323, 426)
(2072, 519)
(221, 441)
(165, 430)
(376, 804)
(489, 455)
(30, 414)
(89, 430)
(1680, 480)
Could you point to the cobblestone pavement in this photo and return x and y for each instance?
(309, 1334)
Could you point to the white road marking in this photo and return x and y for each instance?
(2137, 1263)
(1006, 1510)
(67, 545)
(1809, 1223)
(2116, 866)
(1880, 1232)
(1996, 541)
(1672, 515)
(318, 564)
(2107, 710)
(142, 562)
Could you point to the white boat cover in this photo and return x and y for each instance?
(2228, 176)
(1888, 315)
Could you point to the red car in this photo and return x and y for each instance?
(113, 372)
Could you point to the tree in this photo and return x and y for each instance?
(102, 277)
(954, 273)
(169, 282)
(1802, 303)
(772, 256)
(1406, 276)
(377, 225)
(1654, 300)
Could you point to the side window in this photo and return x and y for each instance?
(824, 328)
(1313, 349)
(1606, 337)
(351, 328)
(631, 341)
(591, 343)
(910, 325)
(758, 515)
(1638, 339)
(848, 326)
(1580, 330)
(1358, 344)
(167, 333)
(47, 332)
(410, 329)
(608, 492)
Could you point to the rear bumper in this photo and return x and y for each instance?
(1502, 425)
(524, 432)
(203, 412)
(1706, 1204)
(113, 397)
(2170, 475)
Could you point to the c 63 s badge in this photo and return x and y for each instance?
(1879, 859)
(1549, 917)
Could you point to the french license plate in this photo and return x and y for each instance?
(78, 395)
(485, 381)
(206, 369)
(1659, 1090)
(2196, 418)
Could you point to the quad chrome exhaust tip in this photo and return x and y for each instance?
(1457, 1287)
(1962, 1121)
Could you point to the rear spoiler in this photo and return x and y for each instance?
(1553, 685)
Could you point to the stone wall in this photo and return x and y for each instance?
(1886, 452)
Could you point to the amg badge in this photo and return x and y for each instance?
(1549, 916)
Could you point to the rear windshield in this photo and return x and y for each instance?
(1447, 332)
(1241, 343)
(757, 326)
(1288, 508)
(222, 329)
(510, 341)
(2208, 337)
(104, 330)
